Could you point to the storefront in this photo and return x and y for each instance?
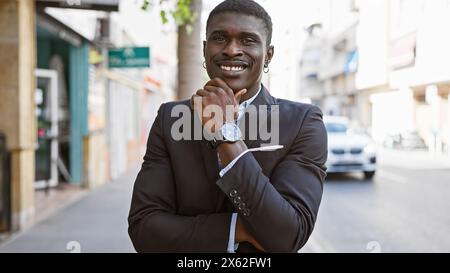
(66, 56)
(44, 83)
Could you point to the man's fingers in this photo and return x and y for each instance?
(210, 88)
(239, 94)
(199, 94)
(193, 98)
(218, 82)
(216, 90)
(258, 246)
(202, 93)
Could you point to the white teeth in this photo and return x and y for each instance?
(232, 68)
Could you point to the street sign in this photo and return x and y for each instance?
(129, 57)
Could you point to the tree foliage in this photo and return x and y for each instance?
(181, 11)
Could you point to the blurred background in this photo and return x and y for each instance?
(81, 81)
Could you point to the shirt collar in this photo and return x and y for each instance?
(243, 106)
(247, 102)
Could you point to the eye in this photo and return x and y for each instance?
(218, 38)
(248, 41)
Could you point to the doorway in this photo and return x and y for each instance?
(47, 151)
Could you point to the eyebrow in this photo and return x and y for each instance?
(243, 33)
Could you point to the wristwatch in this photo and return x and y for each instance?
(228, 133)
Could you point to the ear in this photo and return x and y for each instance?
(204, 49)
(269, 53)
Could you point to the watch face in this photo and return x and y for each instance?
(230, 132)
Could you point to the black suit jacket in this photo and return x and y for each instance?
(180, 203)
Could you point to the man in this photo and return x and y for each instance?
(213, 195)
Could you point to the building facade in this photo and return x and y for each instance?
(71, 118)
(385, 69)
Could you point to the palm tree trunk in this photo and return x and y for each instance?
(190, 58)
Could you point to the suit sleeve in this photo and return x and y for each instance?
(154, 225)
(280, 212)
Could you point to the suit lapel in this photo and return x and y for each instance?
(262, 102)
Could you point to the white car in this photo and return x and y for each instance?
(349, 151)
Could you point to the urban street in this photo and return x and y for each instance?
(403, 209)
(399, 211)
(89, 88)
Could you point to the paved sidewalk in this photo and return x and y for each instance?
(97, 223)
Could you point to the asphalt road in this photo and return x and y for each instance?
(401, 210)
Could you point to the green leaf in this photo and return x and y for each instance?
(163, 15)
(145, 5)
(181, 12)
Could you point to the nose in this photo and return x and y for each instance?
(232, 49)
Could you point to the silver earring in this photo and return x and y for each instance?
(204, 64)
(266, 67)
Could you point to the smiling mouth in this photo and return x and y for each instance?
(236, 68)
(232, 68)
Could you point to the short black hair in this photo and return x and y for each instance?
(247, 7)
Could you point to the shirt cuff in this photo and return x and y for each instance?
(232, 247)
(231, 164)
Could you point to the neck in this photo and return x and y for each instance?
(251, 92)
